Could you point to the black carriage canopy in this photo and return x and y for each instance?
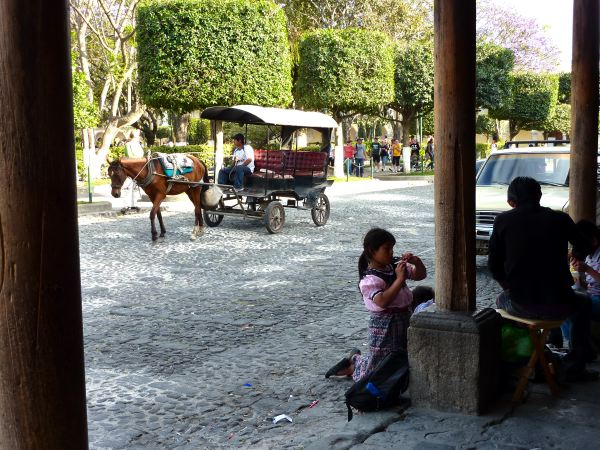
(290, 120)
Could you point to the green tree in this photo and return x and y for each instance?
(494, 65)
(345, 71)
(532, 101)
(85, 113)
(485, 125)
(198, 53)
(559, 120)
(413, 76)
(564, 87)
(399, 19)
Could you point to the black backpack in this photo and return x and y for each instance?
(382, 387)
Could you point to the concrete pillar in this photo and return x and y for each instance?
(219, 146)
(338, 163)
(42, 379)
(454, 354)
(584, 111)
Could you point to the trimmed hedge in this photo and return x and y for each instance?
(347, 70)
(198, 53)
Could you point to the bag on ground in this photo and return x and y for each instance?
(382, 387)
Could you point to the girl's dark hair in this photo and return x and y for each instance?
(374, 239)
(422, 294)
(589, 231)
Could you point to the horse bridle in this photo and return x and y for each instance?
(143, 183)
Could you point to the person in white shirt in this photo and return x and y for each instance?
(133, 149)
(243, 163)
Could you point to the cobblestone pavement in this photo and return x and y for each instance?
(199, 344)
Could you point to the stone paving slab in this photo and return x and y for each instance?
(200, 344)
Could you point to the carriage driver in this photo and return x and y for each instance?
(243, 163)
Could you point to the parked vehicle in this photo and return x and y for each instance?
(282, 178)
(549, 165)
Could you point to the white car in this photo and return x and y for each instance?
(548, 165)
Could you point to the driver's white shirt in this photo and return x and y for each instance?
(242, 154)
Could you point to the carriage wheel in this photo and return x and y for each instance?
(212, 219)
(320, 212)
(274, 217)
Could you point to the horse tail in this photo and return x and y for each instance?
(205, 176)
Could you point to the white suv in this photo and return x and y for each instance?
(548, 165)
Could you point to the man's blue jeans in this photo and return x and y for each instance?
(237, 173)
(359, 164)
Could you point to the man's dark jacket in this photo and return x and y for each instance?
(529, 254)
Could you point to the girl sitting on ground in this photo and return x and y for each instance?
(382, 283)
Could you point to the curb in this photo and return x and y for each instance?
(100, 208)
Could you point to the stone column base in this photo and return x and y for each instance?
(454, 359)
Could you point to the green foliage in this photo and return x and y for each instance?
(482, 150)
(198, 131)
(116, 152)
(199, 53)
(428, 124)
(413, 76)
(484, 124)
(85, 114)
(345, 71)
(559, 120)
(362, 131)
(532, 100)
(494, 64)
(310, 148)
(256, 135)
(564, 87)
(164, 132)
(378, 128)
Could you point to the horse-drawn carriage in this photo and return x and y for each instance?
(281, 178)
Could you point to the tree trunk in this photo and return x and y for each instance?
(112, 128)
(180, 126)
(407, 118)
(42, 379)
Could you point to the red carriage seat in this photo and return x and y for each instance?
(305, 163)
(269, 164)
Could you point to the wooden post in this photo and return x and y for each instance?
(584, 111)
(455, 161)
(42, 379)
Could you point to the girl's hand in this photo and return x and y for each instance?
(401, 271)
(579, 266)
(410, 258)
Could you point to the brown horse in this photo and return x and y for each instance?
(150, 176)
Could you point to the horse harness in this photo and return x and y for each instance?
(147, 180)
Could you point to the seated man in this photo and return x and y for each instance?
(243, 163)
(528, 258)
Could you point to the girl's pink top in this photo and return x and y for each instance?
(376, 281)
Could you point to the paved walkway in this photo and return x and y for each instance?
(200, 344)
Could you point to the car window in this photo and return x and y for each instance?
(552, 169)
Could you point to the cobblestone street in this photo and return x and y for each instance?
(199, 344)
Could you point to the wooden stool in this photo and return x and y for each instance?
(538, 330)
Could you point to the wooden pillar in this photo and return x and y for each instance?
(42, 379)
(584, 111)
(455, 157)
